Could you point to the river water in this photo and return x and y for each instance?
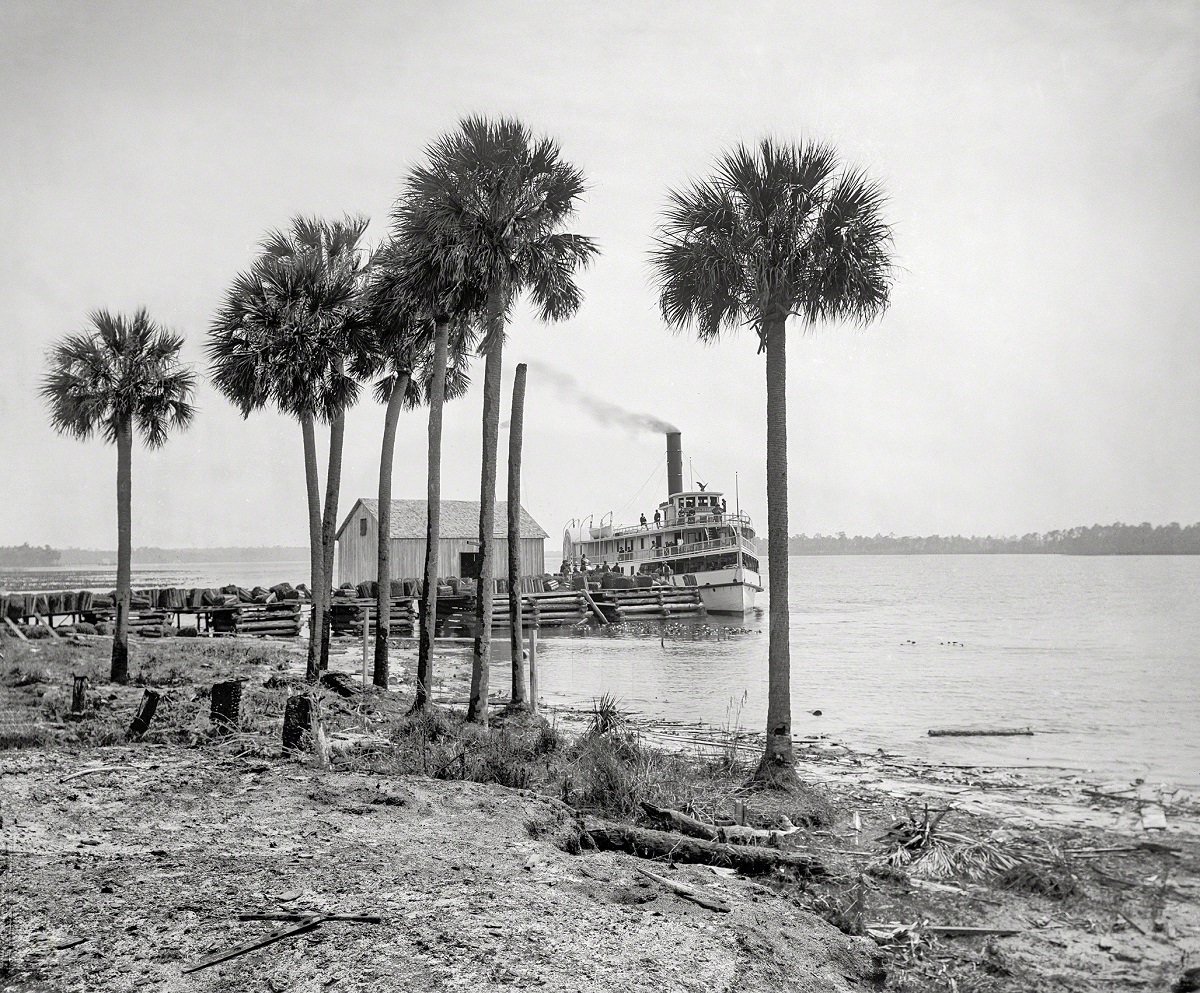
(1099, 655)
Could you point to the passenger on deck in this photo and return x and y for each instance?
(643, 520)
(657, 518)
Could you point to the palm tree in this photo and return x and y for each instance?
(492, 203)
(282, 337)
(120, 373)
(412, 291)
(777, 231)
(335, 249)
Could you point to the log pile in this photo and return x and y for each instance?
(346, 615)
(279, 620)
(150, 623)
(653, 601)
(560, 608)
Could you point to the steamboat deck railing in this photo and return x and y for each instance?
(691, 548)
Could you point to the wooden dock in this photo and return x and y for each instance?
(280, 611)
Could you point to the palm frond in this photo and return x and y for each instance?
(484, 215)
(123, 370)
(774, 231)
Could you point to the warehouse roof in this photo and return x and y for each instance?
(460, 519)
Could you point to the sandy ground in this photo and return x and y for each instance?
(152, 862)
(120, 879)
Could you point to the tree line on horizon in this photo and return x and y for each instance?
(778, 231)
(29, 555)
(1098, 539)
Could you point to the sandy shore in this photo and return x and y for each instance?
(122, 877)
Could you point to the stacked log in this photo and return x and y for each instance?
(561, 608)
(655, 601)
(279, 620)
(150, 623)
(346, 615)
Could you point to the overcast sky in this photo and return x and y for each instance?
(1038, 367)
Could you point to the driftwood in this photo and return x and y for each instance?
(305, 925)
(748, 859)
(688, 892)
(735, 834)
(301, 924)
(1142, 846)
(100, 768)
(889, 932)
(956, 931)
(978, 732)
(353, 918)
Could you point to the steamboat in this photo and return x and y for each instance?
(693, 539)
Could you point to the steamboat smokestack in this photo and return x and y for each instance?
(674, 463)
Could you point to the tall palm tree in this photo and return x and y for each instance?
(413, 277)
(493, 200)
(122, 373)
(281, 337)
(777, 231)
(335, 248)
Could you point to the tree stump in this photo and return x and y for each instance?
(78, 696)
(144, 715)
(226, 706)
(297, 723)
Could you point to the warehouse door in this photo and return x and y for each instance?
(469, 564)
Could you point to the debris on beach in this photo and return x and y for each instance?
(979, 732)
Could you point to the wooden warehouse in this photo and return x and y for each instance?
(358, 545)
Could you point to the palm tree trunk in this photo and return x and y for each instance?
(477, 708)
(433, 527)
(316, 553)
(383, 597)
(333, 486)
(778, 760)
(119, 671)
(515, 426)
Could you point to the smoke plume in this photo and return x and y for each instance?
(604, 411)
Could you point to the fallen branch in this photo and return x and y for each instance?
(310, 923)
(1143, 846)
(889, 932)
(958, 931)
(99, 768)
(735, 834)
(748, 859)
(688, 892)
(1132, 923)
(353, 918)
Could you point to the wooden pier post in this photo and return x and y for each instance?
(143, 717)
(225, 707)
(297, 722)
(533, 670)
(78, 695)
(366, 638)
